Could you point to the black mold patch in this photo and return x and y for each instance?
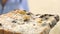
(29, 13)
(51, 15)
(57, 18)
(43, 15)
(14, 21)
(0, 24)
(26, 20)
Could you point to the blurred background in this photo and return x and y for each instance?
(44, 6)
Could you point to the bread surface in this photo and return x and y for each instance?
(22, 22)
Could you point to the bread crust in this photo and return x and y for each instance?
(7, 32)
(1, 31)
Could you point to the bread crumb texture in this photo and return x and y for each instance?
(22, 22)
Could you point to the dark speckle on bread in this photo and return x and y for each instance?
(0, 24)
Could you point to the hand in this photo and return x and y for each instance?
(4, 2)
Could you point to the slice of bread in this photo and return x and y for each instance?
(21, 22)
